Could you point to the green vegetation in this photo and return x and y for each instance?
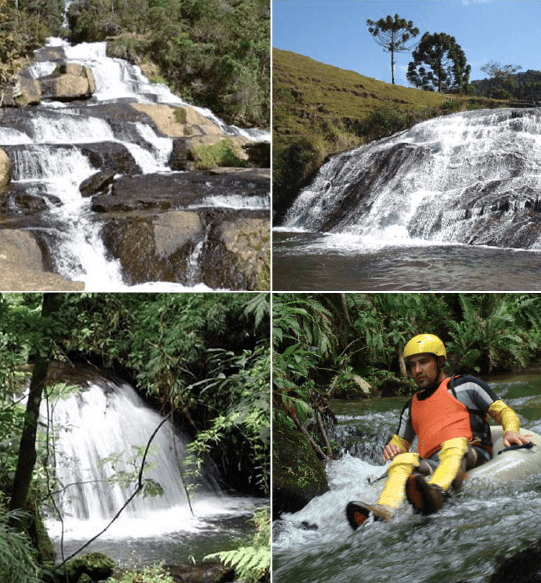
(505, 82)
(204, 359)
(224, 153)
(214, 53)
(439, 64)
(251, 562)
(320, 110)
(18, 563)
(324, 342)
(151, 574)
(394, 35)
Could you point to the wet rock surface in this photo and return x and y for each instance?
(22, 267)
(106, 166)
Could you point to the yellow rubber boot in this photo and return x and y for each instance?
(450, 456)
(399, 471)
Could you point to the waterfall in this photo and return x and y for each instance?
(468, 178)
(55, 146)
(100, 432)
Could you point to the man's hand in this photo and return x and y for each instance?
(391, 450)
(513, 438)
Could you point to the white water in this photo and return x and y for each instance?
(57, 172)
(474, 531)
(107, 420)
(456, 179)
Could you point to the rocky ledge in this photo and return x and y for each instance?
(167, 227)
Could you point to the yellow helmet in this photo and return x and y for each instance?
(425, 343)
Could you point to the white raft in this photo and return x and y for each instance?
(510, 464)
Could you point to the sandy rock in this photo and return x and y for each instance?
(72, 81)
(164, 118)
(5, 169)
(21, 266)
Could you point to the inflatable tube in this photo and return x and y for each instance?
(509, 464)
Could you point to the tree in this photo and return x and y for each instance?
(394, 35)
(502, 78)
(439, 64)
(27, 450)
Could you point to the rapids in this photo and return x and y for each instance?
(454, 182)
(464, 541)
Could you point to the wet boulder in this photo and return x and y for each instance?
(22, 265)
(98, 183)
(111, 157)
(69, 82)
(298, 475)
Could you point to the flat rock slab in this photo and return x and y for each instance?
(178, 190)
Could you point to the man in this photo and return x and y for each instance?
(449, 417)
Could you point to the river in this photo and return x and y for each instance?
(465, 541)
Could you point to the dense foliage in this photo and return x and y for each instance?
(24, 27)
(204, 358)
(506, 82)
(330, 341)
(214, 53)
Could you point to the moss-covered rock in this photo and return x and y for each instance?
(96, 567)
(298, 475)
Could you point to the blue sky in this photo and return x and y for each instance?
(335, 31)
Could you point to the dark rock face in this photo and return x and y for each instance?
(193, 241)
(298, 475)
(166, 191)
(524, 567)
(111, 157)
(101, 182)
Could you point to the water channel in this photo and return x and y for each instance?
(465, 541)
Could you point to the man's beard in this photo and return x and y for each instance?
(429, 391)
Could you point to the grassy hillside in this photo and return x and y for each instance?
(320, 110)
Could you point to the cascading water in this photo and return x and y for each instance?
(54, 147)
(464, 541)
(467, 179)
(100, 435)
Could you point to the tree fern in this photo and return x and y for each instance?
(252, 562)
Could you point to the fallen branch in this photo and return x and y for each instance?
(128, 501)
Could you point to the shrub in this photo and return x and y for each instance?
(223, 153)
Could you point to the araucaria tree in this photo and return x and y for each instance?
(439, 64)
(394, 35)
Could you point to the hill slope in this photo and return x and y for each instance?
(320, 110)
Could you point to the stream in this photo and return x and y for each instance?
(465, 541)
(56, 146)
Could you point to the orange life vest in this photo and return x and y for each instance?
(438, 418)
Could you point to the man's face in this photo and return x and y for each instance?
(424, 370)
